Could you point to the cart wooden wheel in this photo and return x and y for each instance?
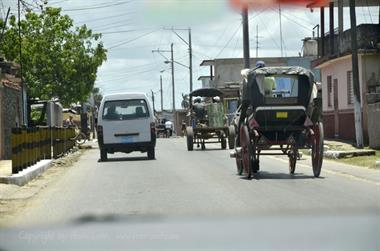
(189, 138)
(317, 149)
(223, 141)
(231, 137)
(239, 162)
(246, 151)
(292, 161)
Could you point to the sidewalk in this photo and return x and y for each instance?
(340, 149)
(23, 177)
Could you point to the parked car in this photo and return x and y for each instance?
(126, 124)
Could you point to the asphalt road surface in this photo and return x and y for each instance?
(198, 183)
(195, 201)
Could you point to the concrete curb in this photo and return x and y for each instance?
(27, 174)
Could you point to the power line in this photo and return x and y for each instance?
(270, 36)
(233, 35)
(122, 31)
(369, 12)
(99, 6)
(120, 21)
(131, 40)
(107, 17)
(291, 19)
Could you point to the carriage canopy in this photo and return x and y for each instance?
(278, 86)
(206, 92)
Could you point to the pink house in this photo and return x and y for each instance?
(335, 64)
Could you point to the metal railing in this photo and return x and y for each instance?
(30, 145)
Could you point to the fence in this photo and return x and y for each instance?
(30, 145)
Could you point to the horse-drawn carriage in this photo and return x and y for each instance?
(207, 120)
(280, 114)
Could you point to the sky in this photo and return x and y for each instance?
(131, 29)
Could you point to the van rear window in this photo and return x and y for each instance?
(125, 109)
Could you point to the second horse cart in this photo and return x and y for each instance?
(207, 120)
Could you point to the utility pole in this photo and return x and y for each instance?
(190, 67)
(257, 40)
(355, 78)
(190, 62)
(162, 96)
(172, 65)
(24, 102)
(171, 61)
(245, 37)
(154, 107)
(279, 13)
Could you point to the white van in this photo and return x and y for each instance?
(125, 124)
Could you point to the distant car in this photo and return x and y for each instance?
(126, 124)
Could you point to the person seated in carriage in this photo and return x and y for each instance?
(199, 109)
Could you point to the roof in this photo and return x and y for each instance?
(207, 62)
(207, 92)
(125, 95)
(281, 70)
(346, 3)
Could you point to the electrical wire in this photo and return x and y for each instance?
(131, 40)
(99, 6)
(106, 18)
(233, 35)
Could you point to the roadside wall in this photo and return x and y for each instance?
(10, 116)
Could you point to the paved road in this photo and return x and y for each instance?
(182, 183)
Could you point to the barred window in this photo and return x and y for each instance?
(329, 91)
(350, 95)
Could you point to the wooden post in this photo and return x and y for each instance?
(322, 31)
(340, 26)
(331, 24)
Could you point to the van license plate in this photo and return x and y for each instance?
(281, 115)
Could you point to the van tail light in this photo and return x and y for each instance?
(153, 127)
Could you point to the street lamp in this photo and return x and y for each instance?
(167, 62)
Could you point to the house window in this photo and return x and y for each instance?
(329, 91)
(350, 95)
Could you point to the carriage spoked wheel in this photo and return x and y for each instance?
(223, 140)
(189, 138)
(317, 149)
(292, 160)
(239, 162)
(246, 151)
(231, 137)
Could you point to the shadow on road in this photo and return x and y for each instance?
(263, 175)
(126, 159)
(209, 149)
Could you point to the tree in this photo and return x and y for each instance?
(58, 59)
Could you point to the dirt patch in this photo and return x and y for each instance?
(14, 198)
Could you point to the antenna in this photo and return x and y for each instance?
(257, 41)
